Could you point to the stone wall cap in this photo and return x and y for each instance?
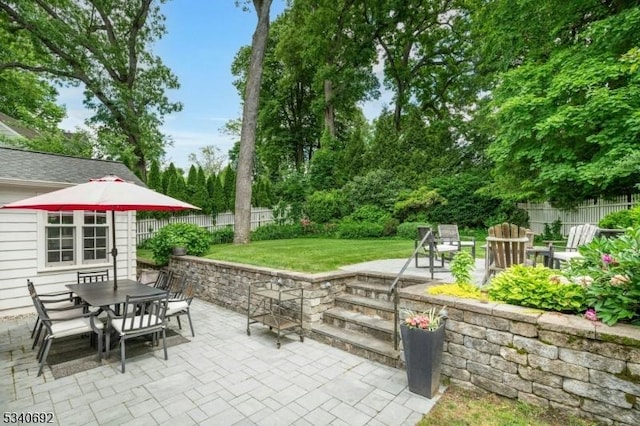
(568, 324)
(623, 334)
(517, 313)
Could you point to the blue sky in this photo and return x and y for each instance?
(202, 39)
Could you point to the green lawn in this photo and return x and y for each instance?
(308, 254)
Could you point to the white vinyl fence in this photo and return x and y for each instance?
(146, 228)
(588, 212)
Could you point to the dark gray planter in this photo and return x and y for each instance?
(423, 357)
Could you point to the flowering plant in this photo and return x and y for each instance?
(612, 267)
(429, 320)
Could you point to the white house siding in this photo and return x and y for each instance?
(19, 253)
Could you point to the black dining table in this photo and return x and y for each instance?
(102, 294)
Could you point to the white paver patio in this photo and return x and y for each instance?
(221, 377)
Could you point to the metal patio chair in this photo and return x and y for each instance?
(143, 315)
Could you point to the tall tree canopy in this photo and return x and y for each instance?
(566, 119)
(102, 45)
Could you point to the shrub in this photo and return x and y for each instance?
(378, 188)
(537, 287)
(621, 219)
(416, 202)
(461, 266)
(390, 227)
(611, 269)
(195, 239)
(276, 232)
(358, 230)
(552, 232)
(222, 235)
(409, 230)
(369, 213)
(326, 206)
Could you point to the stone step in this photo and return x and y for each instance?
(374, 326)
(360, 344)
(377, 291)
(365, 305)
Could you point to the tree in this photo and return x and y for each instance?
(102, 46)
(566, 121)
(210, 159)
(79, 144)
(25, 96)
(425, 51)
(229, 182)
(328, 36)
(242, 233)
(154, 177)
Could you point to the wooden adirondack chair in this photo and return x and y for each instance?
(578, 235)
(506, 246)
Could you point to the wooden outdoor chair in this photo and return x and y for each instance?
(578, 235)
(506, 246)
(449, 235)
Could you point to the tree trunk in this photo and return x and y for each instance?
(242, 233)
(329, 109)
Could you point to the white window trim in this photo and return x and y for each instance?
(78, 221)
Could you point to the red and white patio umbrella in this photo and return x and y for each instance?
(108, 193)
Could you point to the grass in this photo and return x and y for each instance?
(461, 407)
(308, 254)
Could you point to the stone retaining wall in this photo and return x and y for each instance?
(549, 359)
(227, 284)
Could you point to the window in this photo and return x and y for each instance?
(76, 238)
(94, 237)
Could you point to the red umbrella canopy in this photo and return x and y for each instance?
(107, 193)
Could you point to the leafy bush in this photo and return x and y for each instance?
(461, 266)
(537, 287)
(358, 230)
(390, 227)
(409, 230)
(415, 202)
(621, 219)
(552, 232)
(326, 206)
(378, 187)
(195, 239)
(465, 205)
(611, 269)
(369, 213)
(276, 232)
(222, 235)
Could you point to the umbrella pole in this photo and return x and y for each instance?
(114, 250)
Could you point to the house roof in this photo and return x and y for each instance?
(12, 128)
(24, 166)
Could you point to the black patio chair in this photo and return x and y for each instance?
(93, 276)
(180, 301)
(63, 323)
(143, 315)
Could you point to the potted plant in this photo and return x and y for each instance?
(423, 341)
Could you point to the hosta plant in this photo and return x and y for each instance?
(537, 287)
